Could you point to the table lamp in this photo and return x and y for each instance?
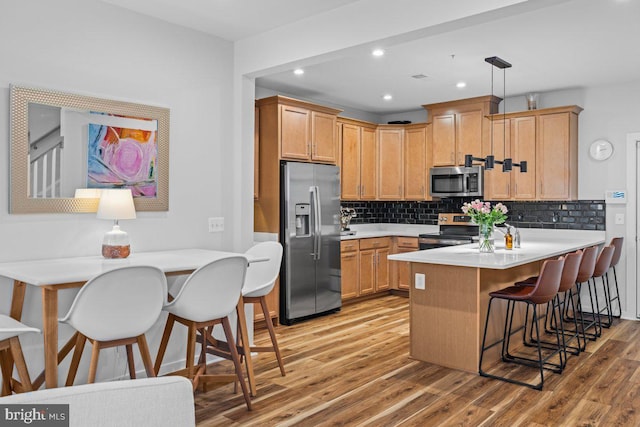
(116, 205)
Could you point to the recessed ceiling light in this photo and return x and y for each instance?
(387, 97)
(298, 71)
(377, 52)
(460, 85)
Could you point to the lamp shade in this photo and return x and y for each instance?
(87, 193)
(116, 204)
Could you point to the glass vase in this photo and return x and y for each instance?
(486, 244)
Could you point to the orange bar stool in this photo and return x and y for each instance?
(616, 242)
(545, 289)
(10, 353)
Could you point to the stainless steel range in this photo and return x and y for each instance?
(455, 229)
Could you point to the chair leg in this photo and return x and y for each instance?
(236, 361)
(191, 351)
(21, 365)
(246, 345)
(615, 280)
(272, 333)
(130, 362)
(75, 359)
(146, 356)
(7, 373)
(93, 366)
(163, 343)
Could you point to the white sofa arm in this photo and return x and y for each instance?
(163, 401)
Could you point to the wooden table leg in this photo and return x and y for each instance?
(244, 336)
(50, 333)
(17, 299)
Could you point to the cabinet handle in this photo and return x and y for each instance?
(362, 191)
(400, 190)
(349, 256)
(508, 189)
(516, 189)
(451, 156)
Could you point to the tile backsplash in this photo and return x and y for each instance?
(576, 215)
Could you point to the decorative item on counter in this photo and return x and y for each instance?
(346, 214)
(516, 239)
(486, 216)
(508, 239)
(116, 205)
(532, 101)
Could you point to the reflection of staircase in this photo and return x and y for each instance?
(44, 165)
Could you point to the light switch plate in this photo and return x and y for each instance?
(216, 224)
(619, 219)
(419, 281)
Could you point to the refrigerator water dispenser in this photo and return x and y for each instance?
(302, 219)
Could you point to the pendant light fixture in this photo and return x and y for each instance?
(490, 161)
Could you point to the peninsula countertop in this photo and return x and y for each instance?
(536, 245)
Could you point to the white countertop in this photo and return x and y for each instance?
(537, 244)
(364, 231)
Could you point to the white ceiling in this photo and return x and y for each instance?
(573, 44)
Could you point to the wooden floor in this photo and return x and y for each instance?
(352, 368)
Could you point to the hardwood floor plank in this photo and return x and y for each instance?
(353, 368)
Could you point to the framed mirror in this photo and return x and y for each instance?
(66, 147)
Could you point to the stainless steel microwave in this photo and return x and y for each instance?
(456, 181)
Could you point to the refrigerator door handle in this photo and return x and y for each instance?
(317, 216)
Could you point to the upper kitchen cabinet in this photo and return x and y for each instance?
(459, 127)
(302, 131)
(358, 159)
(416, 166)
(390, 163)
(547, 139)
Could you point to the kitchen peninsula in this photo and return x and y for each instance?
(447, 316)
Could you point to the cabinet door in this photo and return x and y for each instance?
(415, 164)
(404, 270)
(444, 140)
(552, 157)
(350, 274)
(523, 147)
(390, 176)
(497, 183)
(350, 171)
(367, 271)
(368, 164)
(468, 135)
(323, 138)
(382, 269)
(295, 132)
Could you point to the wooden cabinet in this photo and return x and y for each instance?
(256, 153)
(401, 272)
(349, 268)
(547, 140)
(459, 128)
(358, 160)
(390, 163)
(374, 266)
(416, 169)
(324, 147)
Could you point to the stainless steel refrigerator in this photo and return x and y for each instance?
(310, 234)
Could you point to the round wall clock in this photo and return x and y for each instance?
(600, 149)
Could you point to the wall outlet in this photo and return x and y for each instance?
(620, 219)
(216, 224)
(419, 281)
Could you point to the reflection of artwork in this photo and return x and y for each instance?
(122, 158)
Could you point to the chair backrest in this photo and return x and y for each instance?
(588, 264)
(548, 281)
(10, 327)
(616, 242)
(120, 303)
(261, 276)
(570, 270)
(604, 261)
(212, 291)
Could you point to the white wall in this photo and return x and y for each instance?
(89, 47)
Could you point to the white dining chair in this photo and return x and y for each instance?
(11, 352)
(261, 277)
(208, 296)
(116, 308)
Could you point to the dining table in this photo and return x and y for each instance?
(54, 275)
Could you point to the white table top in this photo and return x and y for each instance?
(80, 269)
(533, 249)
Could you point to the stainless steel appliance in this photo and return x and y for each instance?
(455, 229)
(456, 181)
(310, 234)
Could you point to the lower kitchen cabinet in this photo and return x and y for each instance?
(350, 268)
(364, 266)
(401, 272)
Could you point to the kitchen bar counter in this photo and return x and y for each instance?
(447, 316)
(365, 231)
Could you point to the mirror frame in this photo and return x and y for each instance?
(21, 96)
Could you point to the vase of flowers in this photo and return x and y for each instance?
(486, 216)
